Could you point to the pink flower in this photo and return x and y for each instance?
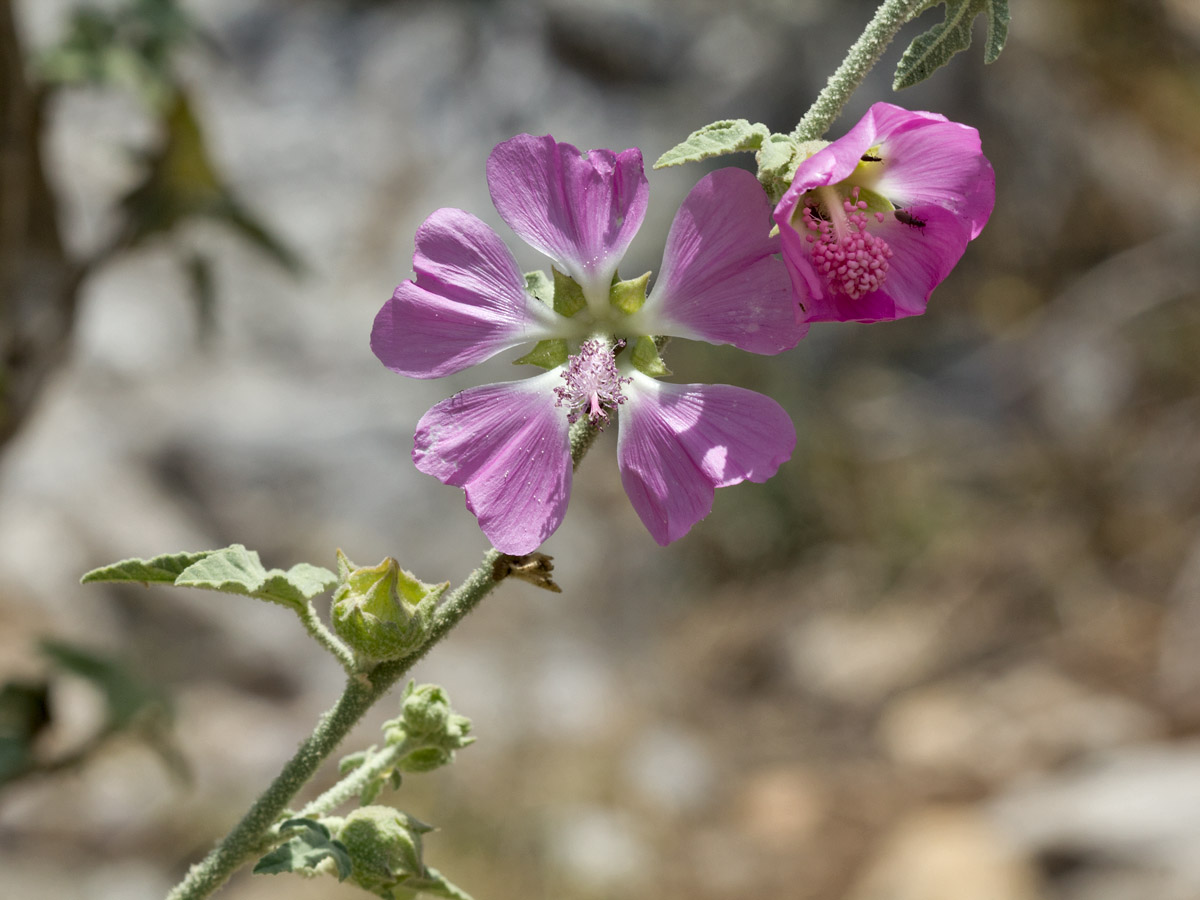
(876, 220)
(507, 444)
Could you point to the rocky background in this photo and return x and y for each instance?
(952, 652)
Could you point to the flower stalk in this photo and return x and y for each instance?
(245, 841)
(891, 16)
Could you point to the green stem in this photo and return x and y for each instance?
(362, 691)
(352, 785)
(866, 51)
(326, 638)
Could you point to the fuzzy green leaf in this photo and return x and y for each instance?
(305, 851)
(933, 49)
(716, 139)
(236, 570)
(159, 570)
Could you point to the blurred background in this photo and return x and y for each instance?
(951, 652)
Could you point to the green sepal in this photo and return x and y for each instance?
(930, 51)
(646, 358)
(437, 884)
(539, 286)
(547, 354)
(305, 851)
(776, 156)
(568, 295)
(716, 139)
(628, 296)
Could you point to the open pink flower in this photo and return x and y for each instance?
(873, 222)
(507, 445)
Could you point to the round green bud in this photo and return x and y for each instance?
(382, 612)
(384, 846)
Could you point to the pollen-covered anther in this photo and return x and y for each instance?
(854, 261)
(592, 383)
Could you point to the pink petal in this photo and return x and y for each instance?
(720, 281)
(921, 260)
(940, 163)
(581, 210)
(506, 445)
(679, 442)
(927, 159)
(467, 304)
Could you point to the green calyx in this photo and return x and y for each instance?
(628, 296)
(647, 359)
(547, 354)
(568, 295)
(385, 850)
(382, 612)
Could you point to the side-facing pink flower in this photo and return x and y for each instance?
(507, 445)
(874, 221)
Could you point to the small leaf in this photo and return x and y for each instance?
(160, 570)
(716, 139)
(933, 49)
(305, 851)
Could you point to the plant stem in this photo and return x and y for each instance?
(326, 638)
(866, 51)
(241, 844)
(351, 786)
(246, 838)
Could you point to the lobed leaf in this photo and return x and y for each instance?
(312, 845)
(933, 49)
(716, 139)
(233, 570)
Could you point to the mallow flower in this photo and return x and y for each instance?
(874, 221)
(507, 445)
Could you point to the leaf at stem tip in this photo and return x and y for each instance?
(716, 139)
(930, 51)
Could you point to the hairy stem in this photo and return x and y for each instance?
(362, 691)
(245, 840)
(352, 785)
(326, 638)
(866, 51)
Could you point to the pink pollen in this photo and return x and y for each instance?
(852, 260)
(592, 383)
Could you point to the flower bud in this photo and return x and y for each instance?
(429, 727)
(384, 846)
(382, 612)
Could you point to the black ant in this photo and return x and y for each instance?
(867, 157)
(906, 218)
